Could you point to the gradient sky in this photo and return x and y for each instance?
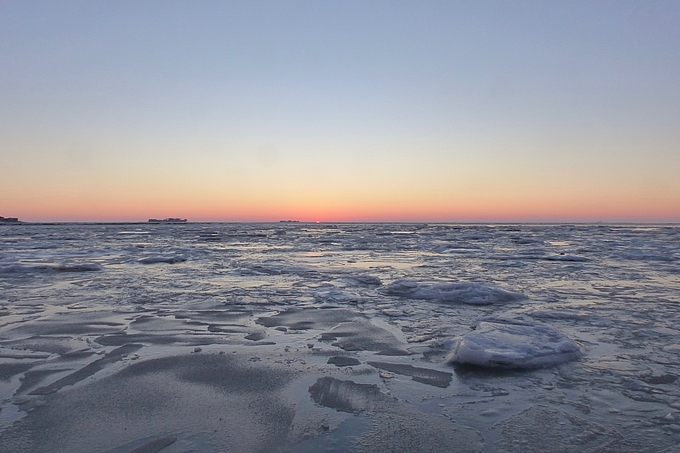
(340, 110)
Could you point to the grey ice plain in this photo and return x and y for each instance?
(294, 337)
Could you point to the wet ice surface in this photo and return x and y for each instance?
(300, 337)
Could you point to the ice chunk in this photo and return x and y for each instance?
(20, 269)
(341, 361)
(169, 259)
(75, 267)
(333, 294)
(365, 280)
(402, 288)
(503, 343)
(424, 375)
(566, 257)
(462, 293)
(83, 267)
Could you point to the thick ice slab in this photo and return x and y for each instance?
(502, 343)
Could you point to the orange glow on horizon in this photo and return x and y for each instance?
(460, 212)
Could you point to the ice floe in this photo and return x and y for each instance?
(459, 293)
(503, 343)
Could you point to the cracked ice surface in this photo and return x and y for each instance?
(128, 336)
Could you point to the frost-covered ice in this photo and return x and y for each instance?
(507, 343)
(270, 337)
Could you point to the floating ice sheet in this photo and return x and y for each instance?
(502, 343)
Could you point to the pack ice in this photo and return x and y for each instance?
(504, 343)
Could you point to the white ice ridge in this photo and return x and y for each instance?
(503, 343)
(463, 293)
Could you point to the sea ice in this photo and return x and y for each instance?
(503, 343)
(61, 325)
(463, 293)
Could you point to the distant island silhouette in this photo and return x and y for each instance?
(9, 219)
(168, 220)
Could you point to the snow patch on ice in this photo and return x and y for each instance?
(503, 343)
(459, 293)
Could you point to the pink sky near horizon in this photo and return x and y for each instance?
(489, 210)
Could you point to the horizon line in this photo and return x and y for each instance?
(347, 222)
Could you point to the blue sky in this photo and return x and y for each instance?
(340, 110)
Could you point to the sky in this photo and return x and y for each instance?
(417, 111)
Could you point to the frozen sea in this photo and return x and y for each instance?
(301, 337)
